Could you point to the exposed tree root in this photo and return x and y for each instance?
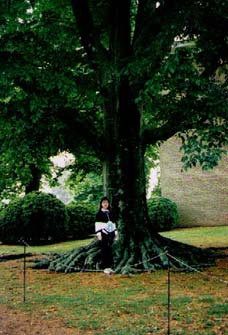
(148, 255)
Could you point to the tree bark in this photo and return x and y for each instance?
(34, 183)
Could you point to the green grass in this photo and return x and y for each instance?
(219, 310)
(51, 248)
(205, 237)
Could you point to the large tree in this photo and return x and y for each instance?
(157, 69)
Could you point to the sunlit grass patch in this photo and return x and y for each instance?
(50, 248)
(205, 237)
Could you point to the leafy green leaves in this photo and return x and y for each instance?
(205, 146)
(46, 87)
(52, 97)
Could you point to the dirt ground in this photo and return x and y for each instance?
(14, 322)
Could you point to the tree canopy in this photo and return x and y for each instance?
(54, 75)
(113, 77)
(44, 88)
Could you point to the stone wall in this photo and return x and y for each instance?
(201, 196)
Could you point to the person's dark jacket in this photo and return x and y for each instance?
(105, 216)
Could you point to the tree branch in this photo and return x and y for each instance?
(120, 45)
(150, 21)
(163, 133)
(90, 38)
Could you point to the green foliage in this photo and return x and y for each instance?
(43, 81)
(37, 218)
(151, 160)
(157, 189)
(87, 188)
(81, 221)
(204, 147)
(48, 87)
(163, 214)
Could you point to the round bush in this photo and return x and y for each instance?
(163, 214)
(81, 221)
(11, 228)
(37, 218)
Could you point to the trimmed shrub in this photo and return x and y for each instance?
(37, 218)
(163, 213)
(81, 221)
(11, 228)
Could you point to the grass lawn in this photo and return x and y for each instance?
(205, 237)
(51, 248)
(99, 304)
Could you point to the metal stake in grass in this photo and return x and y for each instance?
(24, 268)
(24, 272)
(169, 298)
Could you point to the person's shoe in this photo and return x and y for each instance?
(108, 271)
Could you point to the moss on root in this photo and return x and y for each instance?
(130, 257)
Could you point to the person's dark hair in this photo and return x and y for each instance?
(105, 198)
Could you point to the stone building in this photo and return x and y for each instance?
(201, 196)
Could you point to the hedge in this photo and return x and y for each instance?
(37, 218)
(163, 213)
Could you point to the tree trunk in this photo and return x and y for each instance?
(34, 183)
(138, 243)
(129, 184)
